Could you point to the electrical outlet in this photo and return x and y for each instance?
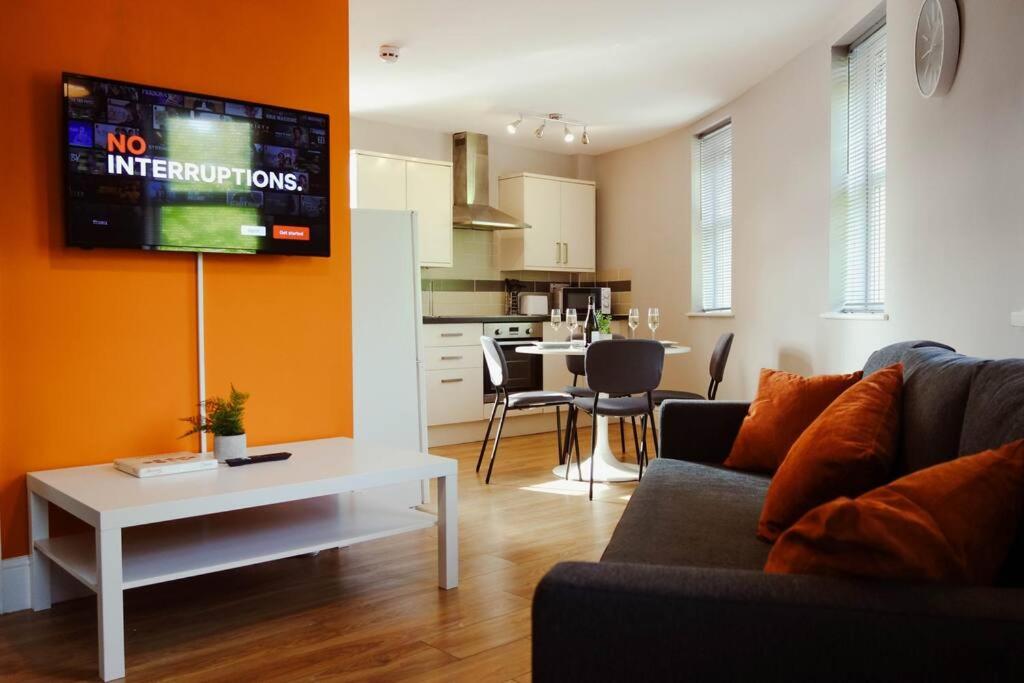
(1017, 318)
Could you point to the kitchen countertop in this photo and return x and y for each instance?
(454, 319)
(450, 319)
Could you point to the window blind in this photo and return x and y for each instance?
(863, 275)
(716, 219)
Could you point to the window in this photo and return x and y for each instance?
(715, 218)
(861, 238)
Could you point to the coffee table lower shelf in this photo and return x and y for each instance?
(166, 551)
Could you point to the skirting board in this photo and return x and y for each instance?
(16, 585)
(515, 425)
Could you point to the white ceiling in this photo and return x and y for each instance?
(633, 69)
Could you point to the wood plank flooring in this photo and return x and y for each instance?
(371, 612)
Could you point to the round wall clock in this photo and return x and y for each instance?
(938, 46)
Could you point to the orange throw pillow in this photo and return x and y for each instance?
(786, 404)
(953, 522)
(846, 451)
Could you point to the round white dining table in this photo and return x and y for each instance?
(607, 467)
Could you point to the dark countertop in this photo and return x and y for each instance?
(450, 319)
(454, 319)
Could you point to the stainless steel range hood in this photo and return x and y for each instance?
(472, 196)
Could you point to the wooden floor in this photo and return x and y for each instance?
(369, 612)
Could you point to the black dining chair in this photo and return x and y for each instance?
(497, 368)
(575, 364)
(719, 357)
(621, 369)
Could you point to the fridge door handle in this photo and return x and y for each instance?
(565, 252)
(558, 252)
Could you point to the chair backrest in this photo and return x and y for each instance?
(624, 366)
(576, 364)
(719, 357)
(495, 358)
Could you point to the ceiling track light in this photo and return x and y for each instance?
(568, 126)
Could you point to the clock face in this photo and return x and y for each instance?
(929, 47)
(937, 46)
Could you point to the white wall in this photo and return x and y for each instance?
(955, 228)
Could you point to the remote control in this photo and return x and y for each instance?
(253, 459)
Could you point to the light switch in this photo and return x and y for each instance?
(1017, 318)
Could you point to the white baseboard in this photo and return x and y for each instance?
(16, 585)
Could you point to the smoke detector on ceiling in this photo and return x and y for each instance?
(388, 53)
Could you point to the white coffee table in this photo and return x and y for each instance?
(165, 528)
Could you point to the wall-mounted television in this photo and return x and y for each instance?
(162, 169)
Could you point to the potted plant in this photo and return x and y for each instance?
(224, 420)
(604, 327)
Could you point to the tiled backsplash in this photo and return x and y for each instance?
(474, 286)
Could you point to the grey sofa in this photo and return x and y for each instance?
(680, 594)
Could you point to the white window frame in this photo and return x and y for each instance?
(711, 233)
(857, 266)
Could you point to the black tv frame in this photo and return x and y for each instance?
(63, 149)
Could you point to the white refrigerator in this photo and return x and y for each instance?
(389, 401)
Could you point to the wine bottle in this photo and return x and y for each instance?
(590, 325)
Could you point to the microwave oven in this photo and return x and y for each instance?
(577, 297)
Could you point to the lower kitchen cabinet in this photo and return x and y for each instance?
(454, 363)
(454, 395)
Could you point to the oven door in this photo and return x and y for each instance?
(525, 371)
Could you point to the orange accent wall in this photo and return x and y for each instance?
(97, 348)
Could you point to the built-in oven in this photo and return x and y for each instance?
(525, 371)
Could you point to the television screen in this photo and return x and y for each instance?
(154, 168)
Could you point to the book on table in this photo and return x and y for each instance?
(168, 463)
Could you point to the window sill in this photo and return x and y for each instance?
(836, 315)
(710, 314)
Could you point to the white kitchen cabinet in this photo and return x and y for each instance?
(579, 221)
(562, 215)
(454, 369)
(454, 396)
(385, 181)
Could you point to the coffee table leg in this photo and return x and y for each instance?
(110, 603)
(39, 512)
(448, 531)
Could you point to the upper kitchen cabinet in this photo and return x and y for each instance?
(561, 213)
(387, 181)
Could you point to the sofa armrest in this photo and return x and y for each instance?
(613, 621)
(700, 431)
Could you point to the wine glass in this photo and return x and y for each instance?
(634, 321)
(556, 319)
(573, 323)
(653, 320)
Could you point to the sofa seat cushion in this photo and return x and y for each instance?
(686, 513)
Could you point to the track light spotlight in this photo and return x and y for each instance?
(568, 136)
(586, 137)
(540, 130)
(514, 126)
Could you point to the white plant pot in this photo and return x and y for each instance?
(601, 336)
(225, 447)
